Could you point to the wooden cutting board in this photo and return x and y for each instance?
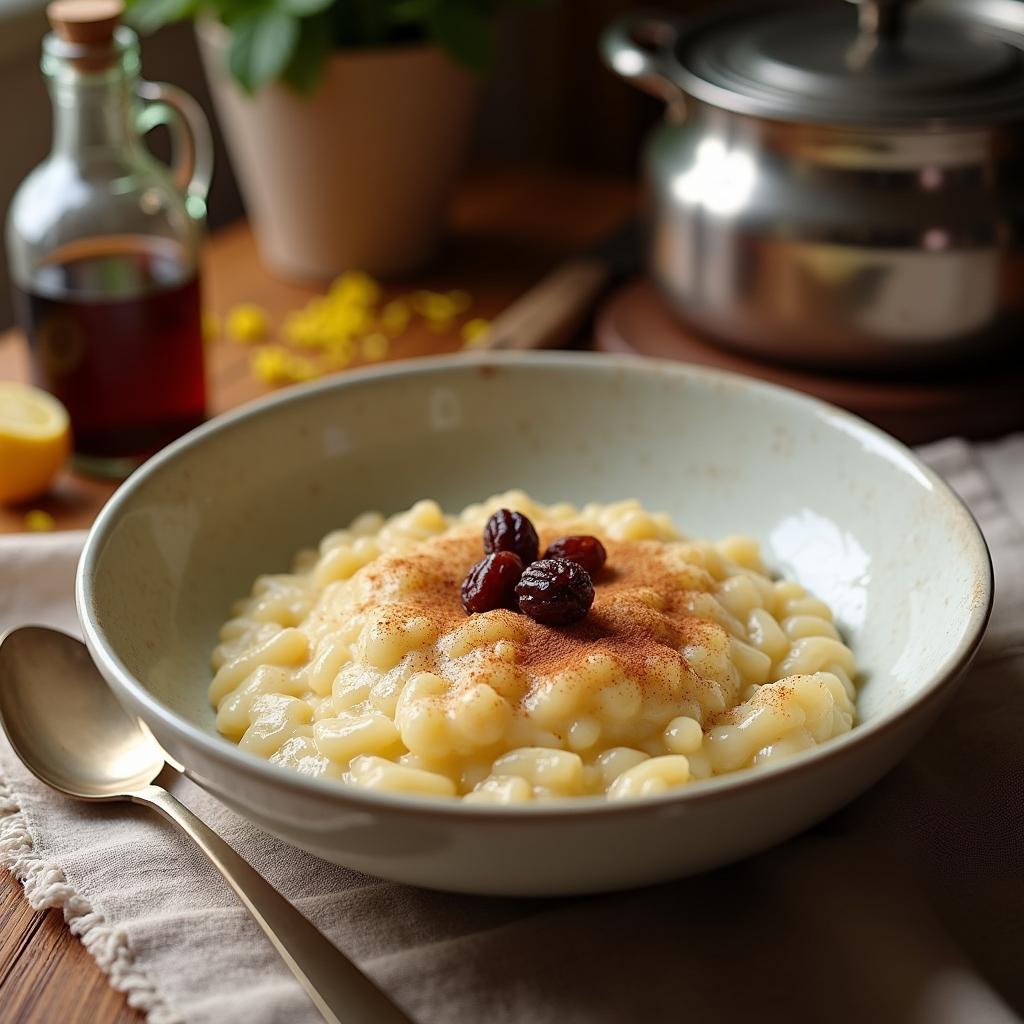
(978, 402)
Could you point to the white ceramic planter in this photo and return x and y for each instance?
(359, 174)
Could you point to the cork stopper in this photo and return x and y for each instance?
(85, 22)
(84, 31)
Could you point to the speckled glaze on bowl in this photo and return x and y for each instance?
(836, 504)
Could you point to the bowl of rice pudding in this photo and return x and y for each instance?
(535, 624)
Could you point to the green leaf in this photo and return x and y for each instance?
(309, 58)
(230, 11)
(411, 10)
(149, 15)
(261, 48)
(303, 8)
(463, 28)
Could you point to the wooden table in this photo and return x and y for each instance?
(508, 228)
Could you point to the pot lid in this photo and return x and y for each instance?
(876, 62)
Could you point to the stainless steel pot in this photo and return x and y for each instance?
(838, 187)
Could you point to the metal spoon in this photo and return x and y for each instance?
(70, 731)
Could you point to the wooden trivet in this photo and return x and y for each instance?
(977, 402)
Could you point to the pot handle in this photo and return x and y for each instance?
(639, 48)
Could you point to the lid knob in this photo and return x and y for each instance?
(883, 18)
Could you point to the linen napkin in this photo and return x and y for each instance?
(906, 906)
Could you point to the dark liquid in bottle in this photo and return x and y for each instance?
(115, 332)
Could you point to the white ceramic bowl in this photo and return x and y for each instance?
(836, 504)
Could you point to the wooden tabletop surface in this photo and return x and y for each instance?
(507, 229)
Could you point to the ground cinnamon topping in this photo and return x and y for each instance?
(640, 617)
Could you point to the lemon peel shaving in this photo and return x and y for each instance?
(247, 323)
(475, 331)
(38, 521)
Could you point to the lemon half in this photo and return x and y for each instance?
(35, 439)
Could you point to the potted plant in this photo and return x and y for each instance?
(346, 120)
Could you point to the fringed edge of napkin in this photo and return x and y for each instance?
(46, 887)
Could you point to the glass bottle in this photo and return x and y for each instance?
(103, 245)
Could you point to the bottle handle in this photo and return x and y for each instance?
(192, 144)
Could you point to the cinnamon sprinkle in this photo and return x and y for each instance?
(639, 618)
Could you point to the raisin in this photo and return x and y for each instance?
(555, 591)
(491, 583)
(582, 549)
(511, 531)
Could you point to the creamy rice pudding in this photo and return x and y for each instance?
(363, 665)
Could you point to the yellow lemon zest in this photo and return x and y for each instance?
(433, 306)
(326, 320)
(395, 317)
(339, 353)
(38, 521)
(475, 331)
(299, 330)
(356, 288)
(247, 323)
(300, 369)
(350, 320)
(277, 366)
(270, 365)
(375, 347)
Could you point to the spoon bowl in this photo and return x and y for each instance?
(71, 733)
(64, 722)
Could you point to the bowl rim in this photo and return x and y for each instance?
(230, 756)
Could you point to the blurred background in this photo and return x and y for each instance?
(549, 100)
(831, 198)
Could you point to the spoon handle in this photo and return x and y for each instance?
(338, 989)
